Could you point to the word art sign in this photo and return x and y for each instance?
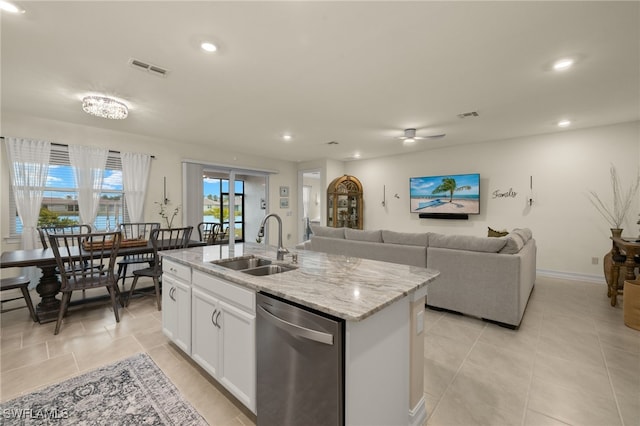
(509, 194)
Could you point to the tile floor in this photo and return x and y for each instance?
(573, 362)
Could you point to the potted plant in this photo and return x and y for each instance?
(615, 214)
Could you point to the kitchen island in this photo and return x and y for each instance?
(382, 305)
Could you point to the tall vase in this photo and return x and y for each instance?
(616, 232)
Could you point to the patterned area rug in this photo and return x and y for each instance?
(130, 392)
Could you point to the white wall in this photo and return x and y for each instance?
(254, 192)
(564, 165)
(168, 156)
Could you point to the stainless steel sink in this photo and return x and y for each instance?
(241, 263)
(268, 270)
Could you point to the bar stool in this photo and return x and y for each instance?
(23, 284)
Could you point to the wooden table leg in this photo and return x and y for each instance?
(48, 288)
(630, 264)
(615, 274)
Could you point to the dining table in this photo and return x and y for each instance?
(49, 284)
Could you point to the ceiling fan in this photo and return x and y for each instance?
(410, 136)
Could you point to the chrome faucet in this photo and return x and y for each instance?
(281, 250)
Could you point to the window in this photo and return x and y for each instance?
(60, 198)
(216, 201)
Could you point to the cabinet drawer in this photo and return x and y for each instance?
(178, 270)
(239, 296)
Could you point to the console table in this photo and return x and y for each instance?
(629, 247)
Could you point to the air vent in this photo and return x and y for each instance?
(152, 69)
(469, 114)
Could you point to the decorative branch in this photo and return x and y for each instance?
(621, 200)
(165, 215)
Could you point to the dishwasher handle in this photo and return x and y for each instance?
(296, 330)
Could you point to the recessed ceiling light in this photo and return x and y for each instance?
(287, 137)
(564, 123)
(356, 155)
(208, 47)
(563, 64)
(10, 7)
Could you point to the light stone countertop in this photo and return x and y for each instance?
(346, 287)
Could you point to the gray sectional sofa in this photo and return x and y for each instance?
(486, 277)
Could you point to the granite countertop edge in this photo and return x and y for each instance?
(349, 288)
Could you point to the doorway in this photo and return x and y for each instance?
(311, 196)
(209, 190)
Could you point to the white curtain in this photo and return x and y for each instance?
(29, 160)
(88, 168)
(135, 176)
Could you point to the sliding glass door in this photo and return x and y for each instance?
(209, 190)
(216, 204)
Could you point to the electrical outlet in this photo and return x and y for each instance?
(594, 260)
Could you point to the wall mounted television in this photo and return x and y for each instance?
(447, 195)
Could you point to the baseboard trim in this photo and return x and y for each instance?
(418, 414)
(596, 279)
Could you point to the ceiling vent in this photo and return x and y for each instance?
(469, 114)
(152, 69)
(332, 143)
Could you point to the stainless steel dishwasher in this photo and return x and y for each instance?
(300, 365)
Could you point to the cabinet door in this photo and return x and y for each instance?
(182, 294)
(169, 308)
(205, 327)
(238, 359)
(176, 312)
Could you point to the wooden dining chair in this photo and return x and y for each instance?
(23, 284)
(73, 252)
(45, 231)
(135, 231)
(161, 239)
(209, 232)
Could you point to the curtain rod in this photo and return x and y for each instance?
(65, 145)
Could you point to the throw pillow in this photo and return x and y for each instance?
(513, 243)
(525, 233)
(494, 233)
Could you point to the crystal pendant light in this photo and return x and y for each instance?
(104, 107)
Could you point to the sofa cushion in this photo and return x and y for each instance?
(403, 254)
(326, 231)
(525, 233)
(405, 238)
(360, 235)
(467, 242)
(515, 240)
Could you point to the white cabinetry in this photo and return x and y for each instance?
(176, 304)
(223, 334)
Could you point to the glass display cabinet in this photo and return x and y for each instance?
(344, 203)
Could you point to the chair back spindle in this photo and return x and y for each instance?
(45, 231)
(209, 232)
